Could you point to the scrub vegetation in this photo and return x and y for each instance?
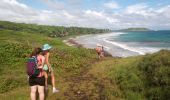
(79, 74)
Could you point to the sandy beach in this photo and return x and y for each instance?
(76, 43)
(124, 44)
(91, 41)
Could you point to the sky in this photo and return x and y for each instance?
(110, 14)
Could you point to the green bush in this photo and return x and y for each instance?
(128, 79)
(156, 71)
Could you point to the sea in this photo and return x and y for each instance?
(125, 44)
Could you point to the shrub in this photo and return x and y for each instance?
(156, 71)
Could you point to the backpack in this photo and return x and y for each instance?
(31, 65)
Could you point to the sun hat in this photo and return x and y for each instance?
(99, 45)
(46, 47)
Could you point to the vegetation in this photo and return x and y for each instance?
(144, 77)
(52, 31)
(80, 75)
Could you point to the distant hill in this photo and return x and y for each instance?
(135, 29)
(52, 31)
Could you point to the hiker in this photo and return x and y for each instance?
(100, 51)
(38, 82)
(47, 66)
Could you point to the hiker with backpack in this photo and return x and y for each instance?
(47, 66)
(37, 77)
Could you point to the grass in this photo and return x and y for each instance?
(15, 48)
(79, 74)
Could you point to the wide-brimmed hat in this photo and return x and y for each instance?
(46, 47)
(99, 45)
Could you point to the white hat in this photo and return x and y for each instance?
(99, 45)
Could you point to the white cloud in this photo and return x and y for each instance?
(111, 5)
(138, 15)
(58, 5)
(94, 13)
(145, 16)
(15, 11)
(164, 11)
(100, 16)
(141, 9)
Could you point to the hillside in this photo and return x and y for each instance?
(52, 31)
(79, 74)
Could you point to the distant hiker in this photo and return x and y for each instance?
(36, 77)
(47, 66)
(99, 50)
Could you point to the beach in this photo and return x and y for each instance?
(113, 44)
(91, 41)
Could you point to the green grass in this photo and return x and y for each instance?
(15, 47)
(79, 74)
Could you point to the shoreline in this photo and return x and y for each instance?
(73, 42)
(91, 41)
(113, 48)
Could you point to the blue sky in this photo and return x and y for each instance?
(91, 4)
(113, 14)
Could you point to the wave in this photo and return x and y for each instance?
(106, 47)
(139, 50)
(110, 34)
(107, 40)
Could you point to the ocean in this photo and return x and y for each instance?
(125, 44)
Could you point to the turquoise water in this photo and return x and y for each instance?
(125, 44)
(159, 39)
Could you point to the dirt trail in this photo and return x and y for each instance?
(86, 86)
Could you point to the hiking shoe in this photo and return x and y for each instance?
(55, 90)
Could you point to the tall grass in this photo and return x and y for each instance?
(77, 69)
(15, 48)
(144, 77)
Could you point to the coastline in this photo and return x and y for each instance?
(73, 42)
(91, 41)
(114, 48)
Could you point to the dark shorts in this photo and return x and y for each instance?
(98, 53)
(37, 81)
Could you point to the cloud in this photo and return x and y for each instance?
(17, 12)
(57, 5)
(137, 9)
(138, 15)
(54, 5)
(74, 2)
(111, 5)
(165, 11)
(13, 11)
(147, 16)
(100, 16)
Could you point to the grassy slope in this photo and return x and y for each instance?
(79, 74)
(16, 46)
